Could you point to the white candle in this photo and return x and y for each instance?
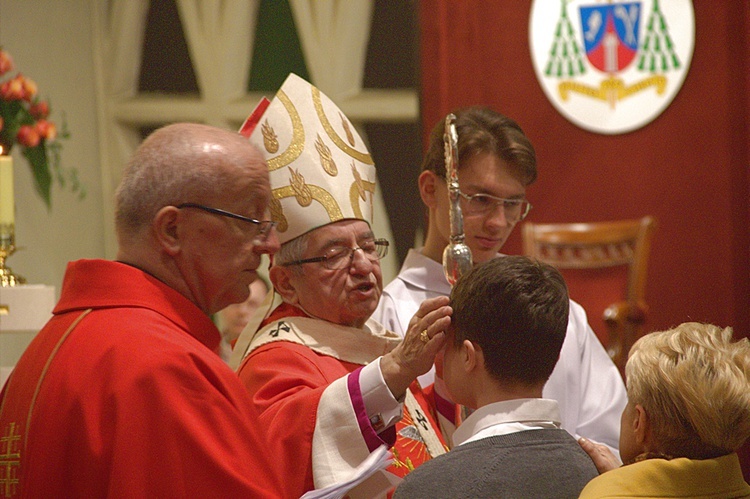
(6, 190)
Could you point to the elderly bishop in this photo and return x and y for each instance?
(329, 385)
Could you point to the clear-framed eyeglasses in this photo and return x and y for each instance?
(340, 257)
(264, 227)
(480, 204)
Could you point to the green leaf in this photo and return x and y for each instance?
(37, 157)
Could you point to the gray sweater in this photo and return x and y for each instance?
(546, 463)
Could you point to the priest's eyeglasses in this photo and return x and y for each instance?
(482, 204)
(340, 257)
(264, 226)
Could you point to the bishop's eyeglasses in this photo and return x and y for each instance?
(263, 226)
(340, 257)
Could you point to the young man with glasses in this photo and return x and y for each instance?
(496, 162)
(329, 385)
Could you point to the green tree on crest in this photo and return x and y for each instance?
(565, 55)
(657, 51)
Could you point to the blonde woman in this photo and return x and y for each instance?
(688, 413)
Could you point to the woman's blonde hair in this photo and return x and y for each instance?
(694, 384)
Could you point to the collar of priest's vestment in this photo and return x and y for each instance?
(348, 344)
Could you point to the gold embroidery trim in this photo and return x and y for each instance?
(270, 139)
(358, 155)
(316, 193)
(46, 368)
(277, 213)
(326, 159)
(298, 137)
(11, 436)
(347, 129)
(10, 461)
(357, 192)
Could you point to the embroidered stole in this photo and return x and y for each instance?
(418, 438)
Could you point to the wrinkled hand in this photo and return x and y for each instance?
(413, 357)
(602, 456)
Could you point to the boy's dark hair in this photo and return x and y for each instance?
(516, 310)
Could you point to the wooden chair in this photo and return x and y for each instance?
(604, 265)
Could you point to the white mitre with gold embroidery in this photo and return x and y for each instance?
(319, 167)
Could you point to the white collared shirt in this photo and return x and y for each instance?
(509, 416)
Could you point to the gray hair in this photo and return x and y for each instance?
(292, 251)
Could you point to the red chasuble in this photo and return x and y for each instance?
(121, 395)
(291, 387)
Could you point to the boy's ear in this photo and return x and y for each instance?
(427, 184)
(472, 356)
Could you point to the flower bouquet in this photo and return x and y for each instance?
(23, 121)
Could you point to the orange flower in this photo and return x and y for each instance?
(27, 136)
(12, 89)
(39, 109)
(29, 88)
(24, 123)
(46, 129)
(6, 62)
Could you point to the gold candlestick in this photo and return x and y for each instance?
(7, 222)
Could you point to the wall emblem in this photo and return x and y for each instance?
(611, 66)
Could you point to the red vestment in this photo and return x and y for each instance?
(288, 380)
(121, 395)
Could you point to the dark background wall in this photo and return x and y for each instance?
(689, 167)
